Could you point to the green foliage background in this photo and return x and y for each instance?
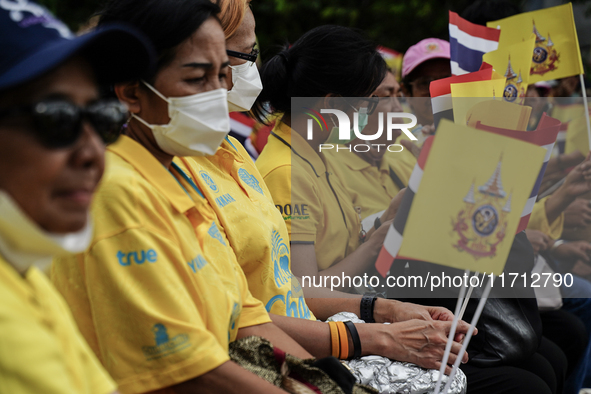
(396, 24)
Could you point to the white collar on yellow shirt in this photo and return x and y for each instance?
(23, 243)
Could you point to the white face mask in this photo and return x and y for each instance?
(23, 243)
(246, 89)
(198, 123)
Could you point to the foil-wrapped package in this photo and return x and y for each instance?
(389, 376)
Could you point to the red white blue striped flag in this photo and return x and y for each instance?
(468, 43)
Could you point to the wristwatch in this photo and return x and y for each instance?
(366, 307)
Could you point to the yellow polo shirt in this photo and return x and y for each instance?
(41, 349)
(314, 203)
(371, 188)
(159, 295)
(539, 221)
(233, 186)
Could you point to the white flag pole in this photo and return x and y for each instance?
(451, 336)
(467, 299)
(479, 309)
(584, 92)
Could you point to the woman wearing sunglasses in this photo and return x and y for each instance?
(51, 160)
(259, 237)
(159, 295)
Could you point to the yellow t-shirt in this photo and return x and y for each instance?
(233, 186)
(371, 188)
(315, 205)
(159, 295)
(539, 221)
(41, 349)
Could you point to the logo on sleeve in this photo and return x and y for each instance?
(214, 232)
(126, 259)
(165, 345)
(250, 180)
(209, 181)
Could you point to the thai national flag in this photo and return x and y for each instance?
(544, 136)
(468, 42)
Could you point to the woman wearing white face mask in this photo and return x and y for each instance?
(159, 295)
(258, 235)
(244, 82)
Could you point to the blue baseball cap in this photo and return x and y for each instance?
(33, 42)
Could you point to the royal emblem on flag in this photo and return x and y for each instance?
(545, 56)
(482, 223)
(514, 87)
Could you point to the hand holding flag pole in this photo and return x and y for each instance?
(418, 218)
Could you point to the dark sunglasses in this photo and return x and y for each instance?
(251, 57)
(58, 123)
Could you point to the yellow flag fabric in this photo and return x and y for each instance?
(513, 62)
(577, 137)
(500, 113)
(470, 199)
(556, 53)
(466, 95)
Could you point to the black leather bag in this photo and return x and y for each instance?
(505, 334)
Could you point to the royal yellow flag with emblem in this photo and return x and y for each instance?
(513, 62)
(474, 187)
(556, 53)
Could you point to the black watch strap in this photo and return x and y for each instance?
(366, 308)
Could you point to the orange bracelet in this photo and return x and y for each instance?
(344, 340)
(334, 339)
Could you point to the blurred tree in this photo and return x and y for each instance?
(396, 24)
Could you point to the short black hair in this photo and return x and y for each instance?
(482, 11)
(327, 59)
(167, 23)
